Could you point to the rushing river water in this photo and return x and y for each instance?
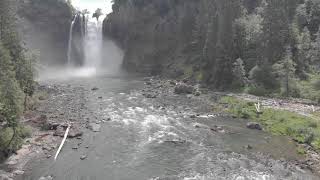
(156, 139)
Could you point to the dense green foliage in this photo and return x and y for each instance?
(280, 122)
(16, 79)
(263, 46)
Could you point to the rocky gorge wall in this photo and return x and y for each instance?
(153, 34)
(44, 25)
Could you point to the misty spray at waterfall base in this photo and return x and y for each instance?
(89, 52)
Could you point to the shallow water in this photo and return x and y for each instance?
(156, 139)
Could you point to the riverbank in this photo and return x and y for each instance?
(57, 107)
(142, 121)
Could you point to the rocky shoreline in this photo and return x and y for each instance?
(66, 104)
(63, 105)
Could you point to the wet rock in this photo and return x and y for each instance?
(148, 82)
(46, 178)
(100, 97)
(248, 147)
(183, 88)
(254, 125)
(50, 126)
(94, 127)
(94, 89)
(193, 116)
(172, 83)
(150, 95)
(83, 157)
(75, 147)
(197, 93)
(198, 125)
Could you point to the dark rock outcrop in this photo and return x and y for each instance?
(153, 35)
(254, 125)
(44, 26)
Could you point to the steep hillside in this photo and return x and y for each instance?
(263, 45)
(45, 28)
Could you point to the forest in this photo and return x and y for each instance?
(17, 72)
(261, 47)
(159, 89)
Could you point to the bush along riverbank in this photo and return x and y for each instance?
(302, 127)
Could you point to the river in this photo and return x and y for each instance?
(156, 138)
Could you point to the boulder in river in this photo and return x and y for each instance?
(183, 88)
(94, 89)
(83, 157)
(254, 125)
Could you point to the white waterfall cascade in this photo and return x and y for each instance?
(70, 41)
(99, 54)
(93, 42)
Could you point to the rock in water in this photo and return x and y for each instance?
(83, 157)
(94, 127)
(46, 178)
(183, 88)
(94, 88)
(254, 125)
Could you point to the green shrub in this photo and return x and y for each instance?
(10, 142)
(279, 122)
(258, 91)
(301, 151)
(316, 84)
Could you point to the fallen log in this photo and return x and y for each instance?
(62, 143)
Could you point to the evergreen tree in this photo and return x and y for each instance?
(285, 71)
(239, 73)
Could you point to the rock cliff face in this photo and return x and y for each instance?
(44, 26)
(153, 33)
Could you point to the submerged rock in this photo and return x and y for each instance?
(183, 88)
(254, 125)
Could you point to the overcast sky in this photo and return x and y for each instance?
(92, 5)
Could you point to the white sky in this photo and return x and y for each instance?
(92, 5)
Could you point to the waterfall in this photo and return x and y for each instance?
(70, 41)
(93, 43)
